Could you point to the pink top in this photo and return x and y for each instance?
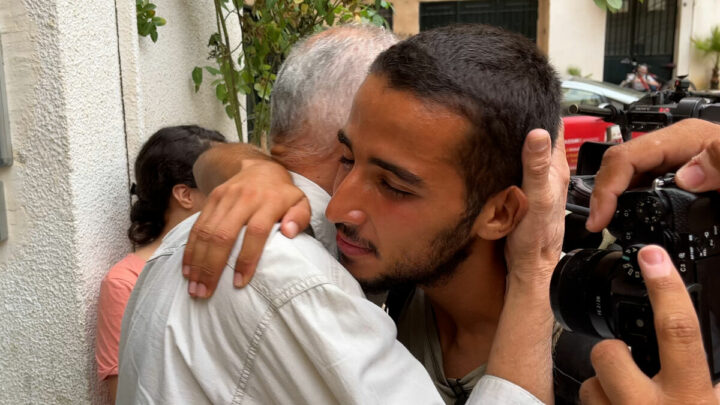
(114, 294)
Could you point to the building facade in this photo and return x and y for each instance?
(578, 34)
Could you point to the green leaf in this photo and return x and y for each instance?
(246, 77)
(601, 3)
(154, 35)
(212, 70)
(244, 89)
(615, 4)
(330, 18)
(221, 92)
(229, 111)
(159, 21)
(197, 77)
(378, 20)
(265, 67)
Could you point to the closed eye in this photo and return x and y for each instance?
(394, 191)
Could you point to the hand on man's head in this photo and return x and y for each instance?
(533, 248)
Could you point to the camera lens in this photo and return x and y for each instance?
(580, 291)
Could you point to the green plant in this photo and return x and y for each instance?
(711, 46)
(576, 72)
(611, 5)
(269, 28)
(147, 21)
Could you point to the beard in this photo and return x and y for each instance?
(432, 267)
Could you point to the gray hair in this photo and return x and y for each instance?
(313, 93)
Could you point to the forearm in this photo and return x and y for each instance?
(217, 164)
(521, 350)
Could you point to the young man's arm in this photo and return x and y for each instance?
(245, 187)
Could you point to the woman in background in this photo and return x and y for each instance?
(166, 195)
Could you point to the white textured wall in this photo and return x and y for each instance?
(576, 36)
(67, 192)
(158, 89)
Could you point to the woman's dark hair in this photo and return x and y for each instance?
(165, 160)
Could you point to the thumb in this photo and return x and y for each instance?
(296, 219)
(702, 172)
(536, 158)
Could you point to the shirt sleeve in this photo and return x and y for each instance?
(498, 391)
(114, 295)
(325, 346)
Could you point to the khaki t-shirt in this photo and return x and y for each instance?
(417, 331)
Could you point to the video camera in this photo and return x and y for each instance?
(658, 109)
(600, 292)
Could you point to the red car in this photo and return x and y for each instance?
(582, 128)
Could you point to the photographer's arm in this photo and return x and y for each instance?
(521, 350)
(649, 156)
(258, 192)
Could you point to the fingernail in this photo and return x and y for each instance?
(186, 270)
(201, 290)
(539, 143)
(238, 280)
(691, 175)
(292, 229)
(653, 262)
(192, 288)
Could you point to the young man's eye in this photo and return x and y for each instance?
(394, 191)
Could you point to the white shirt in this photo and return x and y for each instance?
(300, 332)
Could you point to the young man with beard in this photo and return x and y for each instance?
(301, 331)
(427, 193)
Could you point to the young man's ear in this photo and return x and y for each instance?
(183, 195)
(501, 213)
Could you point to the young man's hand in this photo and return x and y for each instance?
(260, 195)
(684, 376)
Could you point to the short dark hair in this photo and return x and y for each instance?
(165, 160)
(498, 80)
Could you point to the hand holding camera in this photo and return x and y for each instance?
(684, 376)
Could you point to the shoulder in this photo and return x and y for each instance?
(124, 272)
(290, 266)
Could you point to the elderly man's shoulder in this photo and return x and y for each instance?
(287, 266)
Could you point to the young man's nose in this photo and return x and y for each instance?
(345, 205)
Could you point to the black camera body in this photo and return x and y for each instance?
(600, 292)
